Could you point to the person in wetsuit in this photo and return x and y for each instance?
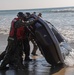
(17, 43)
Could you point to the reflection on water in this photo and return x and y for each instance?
(38, 66)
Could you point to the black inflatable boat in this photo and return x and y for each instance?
(48, 39)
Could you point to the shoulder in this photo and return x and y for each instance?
(15, 19)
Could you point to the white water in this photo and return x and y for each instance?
(69, 59)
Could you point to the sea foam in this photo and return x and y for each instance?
(69, 59)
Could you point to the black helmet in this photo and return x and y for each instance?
(27, 13)
(20, 14)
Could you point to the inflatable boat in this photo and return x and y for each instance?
(48, 40)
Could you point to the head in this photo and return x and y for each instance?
(20, 15)
(28, 14)
(34, 13)
(40, 14)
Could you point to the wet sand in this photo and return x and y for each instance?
(38, 66)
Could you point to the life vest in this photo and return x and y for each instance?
(18, 32)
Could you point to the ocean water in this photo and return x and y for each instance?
(61, 18)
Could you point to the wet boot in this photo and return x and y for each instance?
(26, 50)
(3, 64)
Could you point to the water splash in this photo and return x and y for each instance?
(69, 59)
(68, 53)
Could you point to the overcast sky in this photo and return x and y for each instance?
(30, 4)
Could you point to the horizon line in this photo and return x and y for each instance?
(36, 8)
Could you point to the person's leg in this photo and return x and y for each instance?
(27, 50)
(5, 57)
(35, 47)
(7, 54)
(19, 59)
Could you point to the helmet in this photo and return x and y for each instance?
(27, 13)
(20, 14)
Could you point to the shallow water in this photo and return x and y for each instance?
(38, 66)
